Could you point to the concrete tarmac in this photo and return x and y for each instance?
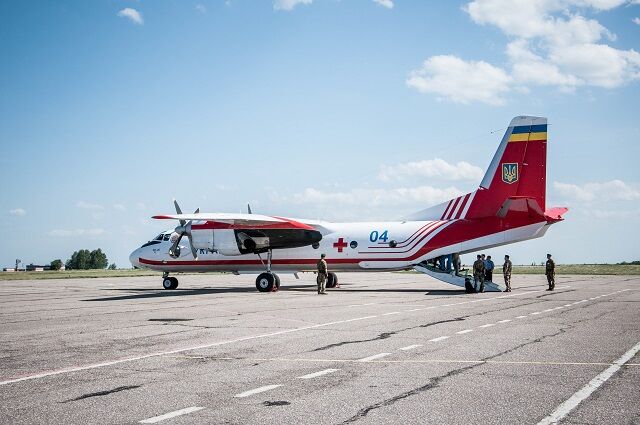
(392, 348)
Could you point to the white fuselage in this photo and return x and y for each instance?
(365, 246)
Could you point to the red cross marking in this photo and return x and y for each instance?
(340, 244)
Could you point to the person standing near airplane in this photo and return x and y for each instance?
(550, 271)
(506, 272)
(456, 263)
(478, 274)
(323, 272)
(489, 266)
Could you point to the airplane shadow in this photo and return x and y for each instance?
(162, 293)
(141, 293)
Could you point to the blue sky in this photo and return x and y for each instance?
(339, 110)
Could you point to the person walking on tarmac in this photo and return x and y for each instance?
(323, 272)
(478, 274)
(489, 266)
(506, 272)
(550, 271)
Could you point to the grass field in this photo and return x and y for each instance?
(584, 269)
(75, 274)
(561, 269)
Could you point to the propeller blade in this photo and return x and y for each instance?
(193, 249)
(179, 211)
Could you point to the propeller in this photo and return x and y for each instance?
(183, 229)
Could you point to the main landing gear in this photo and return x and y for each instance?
(169, 282)
(268, 281)
(332, 280)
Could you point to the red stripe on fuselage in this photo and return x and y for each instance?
(453, 208)
(416, 234)
(438, 224)
(446, 210)
(464, 203)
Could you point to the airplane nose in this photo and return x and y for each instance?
(134, 257)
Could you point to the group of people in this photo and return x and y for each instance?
(483, 271)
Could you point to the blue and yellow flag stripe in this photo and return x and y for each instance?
(525, 133)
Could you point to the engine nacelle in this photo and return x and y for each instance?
(216, 240)
(224, 242)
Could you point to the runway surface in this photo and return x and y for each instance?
(393, 348)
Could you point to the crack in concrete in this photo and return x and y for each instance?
(102, 393)
(276, 403)
(436, 381)
(385, 335)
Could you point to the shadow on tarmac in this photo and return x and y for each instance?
(160, 293)
(140, 293)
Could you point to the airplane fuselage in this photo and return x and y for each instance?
(365, 246)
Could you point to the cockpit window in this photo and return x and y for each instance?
(159, 237)
(150, 243)
(167, 236)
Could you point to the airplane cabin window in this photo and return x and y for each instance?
(159, 237)
(167, 236)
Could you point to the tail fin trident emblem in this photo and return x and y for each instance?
(510, 172)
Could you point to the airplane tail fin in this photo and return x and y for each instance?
(516, 178)
(515, 182)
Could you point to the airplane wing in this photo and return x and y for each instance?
(244, 220)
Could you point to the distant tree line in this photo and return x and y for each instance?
(85, 260)
(633, 263)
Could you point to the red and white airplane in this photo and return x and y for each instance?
(508, 206)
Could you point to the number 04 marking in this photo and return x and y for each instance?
(376, 236)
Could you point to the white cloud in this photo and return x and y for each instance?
(77, 232)
(132, 15)
(201, 8)
(119, 207)
(553, 44)
(17, 211)
(454, 79)
(419, 196)
(289, 4)
(614, 190)
(529, 68)
(636, 20)
(385, 3)
(89, 206)
(433, 168)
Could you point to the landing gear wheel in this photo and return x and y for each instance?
(277, 281)
(169, 283)
(265, 282)
(332, 280)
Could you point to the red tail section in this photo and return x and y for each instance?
(515, 182)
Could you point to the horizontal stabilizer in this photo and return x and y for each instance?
(555, 214)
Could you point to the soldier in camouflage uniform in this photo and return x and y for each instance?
(478, 274)
(506, 272)
(323, 272)
(550, 271)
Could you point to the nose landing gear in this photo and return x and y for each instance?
(169, 282)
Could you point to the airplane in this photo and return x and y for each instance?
(507, 207)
